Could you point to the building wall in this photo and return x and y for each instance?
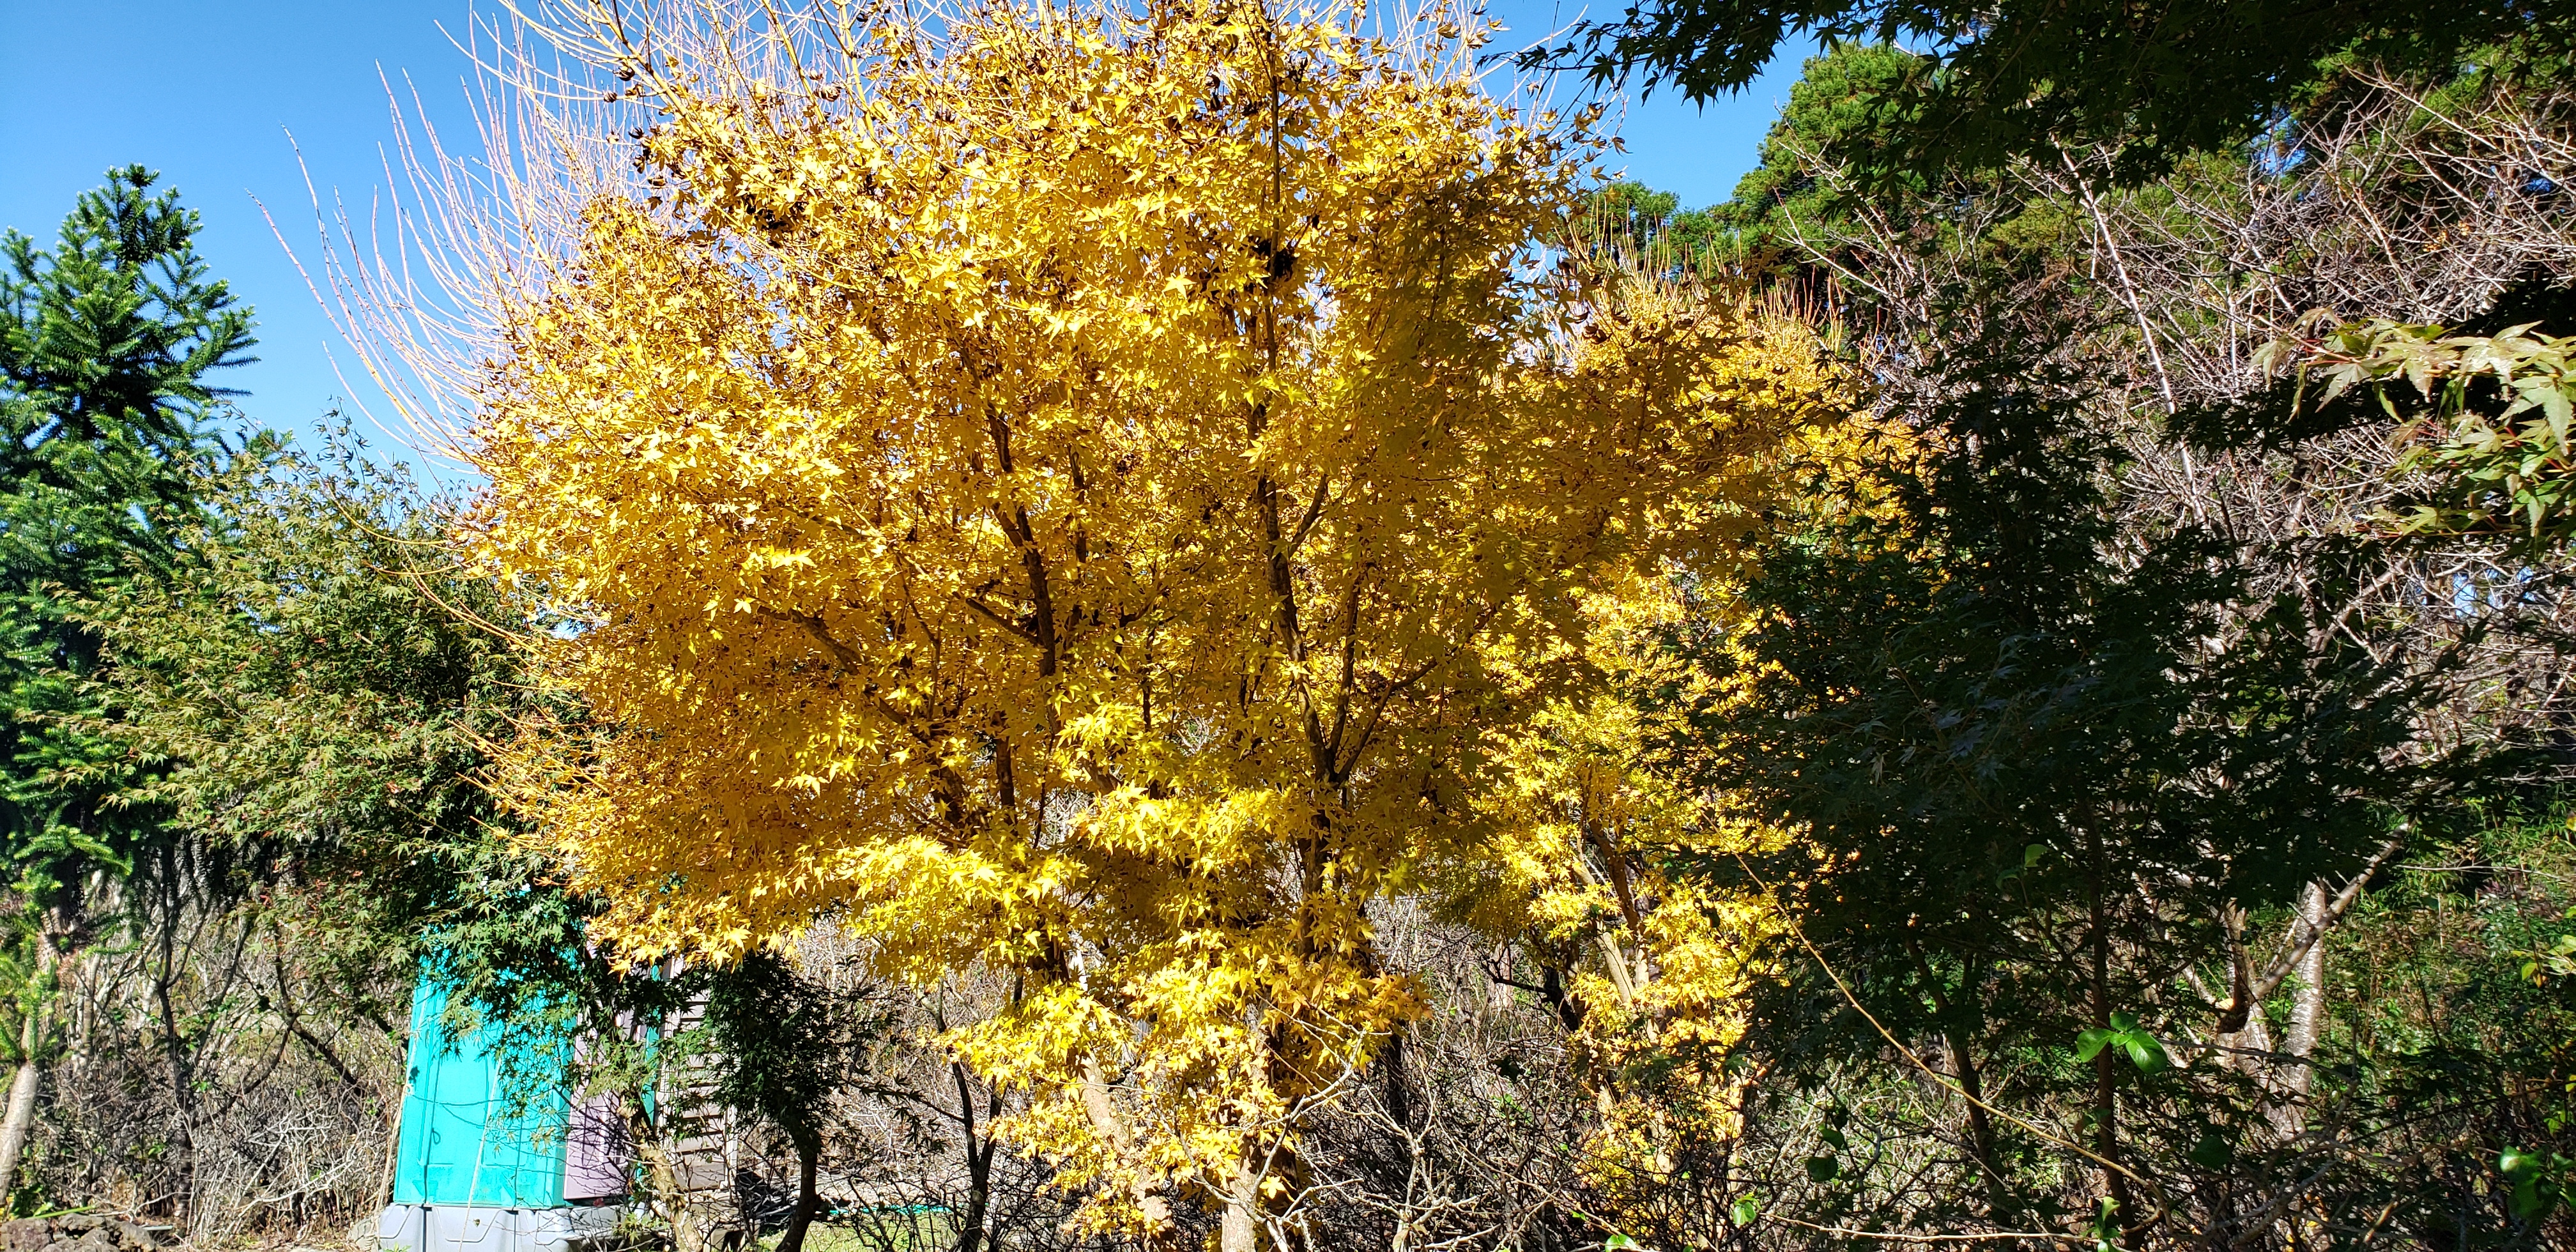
(463, 1141)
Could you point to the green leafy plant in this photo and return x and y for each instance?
(2558, 960)
(2536, 1181)
(2488, 415)
(2128, 1038)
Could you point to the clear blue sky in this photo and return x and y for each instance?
(207, 91)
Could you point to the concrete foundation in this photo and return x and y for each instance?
(478, 1228)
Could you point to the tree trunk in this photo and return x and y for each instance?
(1399, 1103)
(2307, 1016)
(979, 1197)
(979, 1162)
(1981, 1126)
(1240, 1228)
(2307, 1005)
(809, 1203)
(20, 1120)
(1963, 1068)
(1105, 1121)
(2249, 1047)
(687, 1232)
(2106, 1091)
(22, 1109)
(176, 1047)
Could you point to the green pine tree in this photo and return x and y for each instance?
(106, 342)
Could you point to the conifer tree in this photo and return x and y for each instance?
(106, 341)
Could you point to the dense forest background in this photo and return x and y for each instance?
(2163, 670)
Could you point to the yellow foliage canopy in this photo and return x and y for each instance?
(1096, 493)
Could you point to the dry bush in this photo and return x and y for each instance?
(223, 1077)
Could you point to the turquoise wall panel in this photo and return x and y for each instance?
(461, 1142)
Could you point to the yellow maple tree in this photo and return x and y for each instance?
(1598, 873)
(1104, 493)
(1645, 968)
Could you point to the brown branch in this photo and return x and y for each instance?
(994, 616)
(2306, 935)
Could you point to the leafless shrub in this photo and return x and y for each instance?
(1469, 1130)
(220, 1082)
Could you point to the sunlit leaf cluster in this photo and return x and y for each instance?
(2488, 417)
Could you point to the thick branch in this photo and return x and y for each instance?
(2306, 935)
